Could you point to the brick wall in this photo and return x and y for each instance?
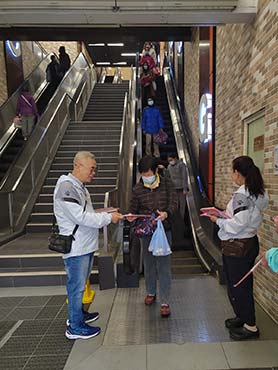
(29, 59)
(191, 90)
(72, 47)
(246, 82)
(3, 80)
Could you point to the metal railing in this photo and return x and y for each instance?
(120, 196)
(117, 76)
(20, 190)
(102, 76)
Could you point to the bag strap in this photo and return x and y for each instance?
(54, 221)
(26, 101)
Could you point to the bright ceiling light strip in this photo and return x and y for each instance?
(120, 64)
(103, 63)
(128, 54)
(115, 44)
(100, 44)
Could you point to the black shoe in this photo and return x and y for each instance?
(234, 322)
(243, 334)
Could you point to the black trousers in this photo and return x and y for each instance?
(241, 298)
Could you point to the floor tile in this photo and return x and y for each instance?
(189, 356)
(251, 354)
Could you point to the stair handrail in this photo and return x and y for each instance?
(20, 192)
(199, 236)
(120, 196)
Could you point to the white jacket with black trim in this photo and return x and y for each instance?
(70, 197)
(246, 215)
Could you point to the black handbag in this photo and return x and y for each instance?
(58, 242)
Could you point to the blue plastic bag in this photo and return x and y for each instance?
(159, 245)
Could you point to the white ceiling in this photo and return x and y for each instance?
(115, 13)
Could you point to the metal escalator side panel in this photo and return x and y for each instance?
(202, 241)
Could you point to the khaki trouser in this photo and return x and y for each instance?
(27, 125)
(149, 146)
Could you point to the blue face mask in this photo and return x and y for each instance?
(148, 180)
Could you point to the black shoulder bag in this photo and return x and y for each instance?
(58, 242)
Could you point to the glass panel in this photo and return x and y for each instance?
(255, 144)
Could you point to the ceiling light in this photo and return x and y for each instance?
(115, 44)
(204, 44)
(128, 54)
(103, 63)
(100, 44)
(120, 64)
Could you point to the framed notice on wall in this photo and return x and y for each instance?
(14, 65)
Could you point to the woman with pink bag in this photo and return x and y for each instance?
(27, 110)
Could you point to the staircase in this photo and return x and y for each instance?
(26, 261)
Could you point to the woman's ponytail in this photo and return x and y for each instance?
(253, 178)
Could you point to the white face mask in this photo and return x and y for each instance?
(172, 163)
(150, 103)
(148, 180)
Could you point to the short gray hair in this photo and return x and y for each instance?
(81, 155)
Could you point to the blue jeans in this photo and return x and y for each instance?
(78, 270)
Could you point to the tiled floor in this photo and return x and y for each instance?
(32, 333)
(133, 336)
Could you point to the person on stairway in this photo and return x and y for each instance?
(240, 244)
(72, 207)
(154, 194)
(152, 123)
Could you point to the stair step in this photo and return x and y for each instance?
(33, 277)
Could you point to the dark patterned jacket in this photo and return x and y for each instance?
(148, 201)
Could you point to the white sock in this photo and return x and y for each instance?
(251, 328)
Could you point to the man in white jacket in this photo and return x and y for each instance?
(73, 206)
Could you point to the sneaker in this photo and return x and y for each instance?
(83, 332)
(150, 299)
(234, 322)
(88, 317)
(243, 333)
(165, 310)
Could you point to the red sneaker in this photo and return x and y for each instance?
(149, 299)
(165, 310)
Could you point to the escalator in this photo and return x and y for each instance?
(12, 148)
(204, 238)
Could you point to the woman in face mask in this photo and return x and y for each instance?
(155, 194)
(152, 123)
(240, 245)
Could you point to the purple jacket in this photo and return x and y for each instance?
(23, 108)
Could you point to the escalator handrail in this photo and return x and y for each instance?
(10, 104)
(54, 97)
(32, 174)
(183, 148)
(120, 196)
(57, 96)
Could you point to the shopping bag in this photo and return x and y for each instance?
(159, 245)
(161, 137)
(17, 122)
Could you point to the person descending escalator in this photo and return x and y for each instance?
(64, 61)
(27, 110)
(53, 76)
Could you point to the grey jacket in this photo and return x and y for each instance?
(178, 173)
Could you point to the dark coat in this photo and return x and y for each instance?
(148, 201)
